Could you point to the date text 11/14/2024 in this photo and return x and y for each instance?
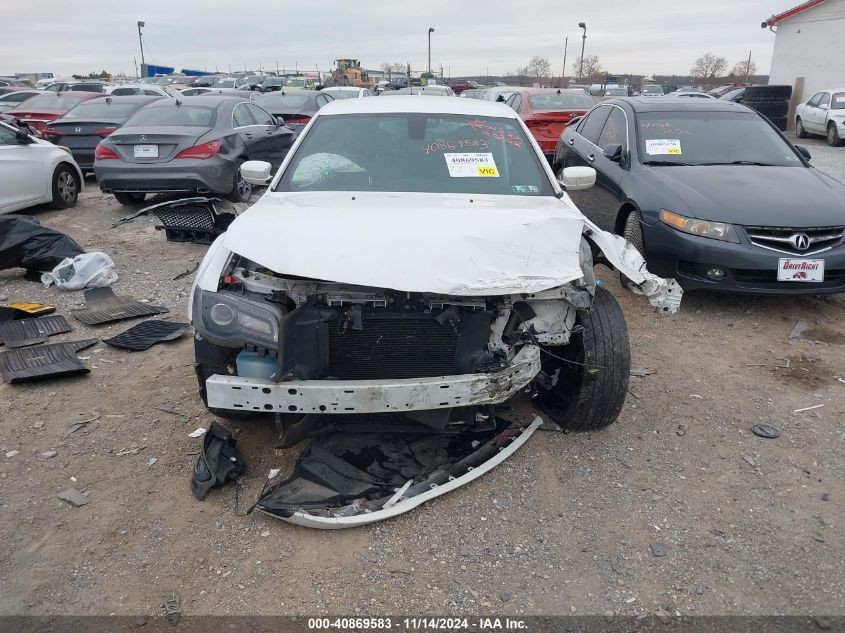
(416, 624)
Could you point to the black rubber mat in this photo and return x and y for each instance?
(103, 306)
(32, 331)
(53, 360)
(144, 335)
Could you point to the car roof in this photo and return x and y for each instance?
(549, 91)
(669, 104)
(833, 90)
(388, 103)
(206, 100)
(129, 98)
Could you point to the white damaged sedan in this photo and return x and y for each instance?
(413, 265)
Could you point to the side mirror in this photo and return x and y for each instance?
(576, 178)
(256, 172)
(23, 138)
(803, 151)
(613, 151)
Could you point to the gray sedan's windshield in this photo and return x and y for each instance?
(434, 153)
(711, 138)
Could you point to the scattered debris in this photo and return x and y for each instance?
(785, 366)
(187, 272)
(54, 360)
(191, 219)
(815, 406)
(22, 310)
(798, 329)
(103, 306)
(88, 270)
(633, 394)
(663, 615)
(696, 396)
(751, 460)
(172, 606)
(11, 453)
(630, 600)
(24, 243)
(130, 451)
(144, 335)
(681, 430)
(842, 380)
(659, 549)
(642, 371)
(151, 461)
(25, 332)
(74, 497)
(766, 430)
(273, 472)
(504, 596)
(199, 432)
(49, 454)
(73, 428)
(218, 462)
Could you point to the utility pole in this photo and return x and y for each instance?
(748, 67)
(563, 71)
(430, 31)
(141, 42)
(583, 42)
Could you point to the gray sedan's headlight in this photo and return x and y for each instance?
(702, 228)
(230, 320)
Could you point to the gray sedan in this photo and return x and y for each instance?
(194, 145)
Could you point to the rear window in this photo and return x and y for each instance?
(342, 94)
(100, 109)
(289, 103)
(198, 116)
(419, 152)
(49, 102)
(561, 101)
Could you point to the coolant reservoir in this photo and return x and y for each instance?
(255, 365)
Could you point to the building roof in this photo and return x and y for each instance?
(780, 17)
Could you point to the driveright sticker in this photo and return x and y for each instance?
(662, 146)
(471, 165)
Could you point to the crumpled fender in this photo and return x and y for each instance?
(663, 294)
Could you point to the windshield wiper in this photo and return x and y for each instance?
(665, 163)
(742, 162)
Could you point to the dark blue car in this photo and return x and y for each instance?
(711, 193)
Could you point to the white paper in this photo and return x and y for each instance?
(663, 146)
(273, 472)
(199, 432)
(471, 165)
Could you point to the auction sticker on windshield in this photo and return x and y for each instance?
(800, 269)
(662, 146)
(465, 165)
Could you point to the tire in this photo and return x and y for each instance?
(633, 232)
(212, 359)
(833, 138)
(241, 190)
(127, 198)
(766, 93)
(800, 132)
(587, 398)
(780, 122)
(65, 187)
(769, 108)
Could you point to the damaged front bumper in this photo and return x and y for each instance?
(374, 396)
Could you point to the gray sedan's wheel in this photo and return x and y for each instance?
(633, 233)
(65, 187)
(241, 189)
(592, 371)
(833, 136)
(800, 132)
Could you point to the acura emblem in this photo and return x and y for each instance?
(144, 140)
(800, 241)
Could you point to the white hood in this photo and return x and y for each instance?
(452, 244)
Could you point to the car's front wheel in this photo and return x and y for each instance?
(833, 138)
(128, 198)
(800, 132)
(592, 371)
(65, 187)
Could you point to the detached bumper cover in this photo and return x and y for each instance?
(374, 396)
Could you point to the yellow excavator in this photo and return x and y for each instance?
(348, 72)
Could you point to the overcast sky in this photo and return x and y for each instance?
(642, 37)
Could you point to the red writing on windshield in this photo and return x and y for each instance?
(483, 127)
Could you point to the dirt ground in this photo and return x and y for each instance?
(677, 506)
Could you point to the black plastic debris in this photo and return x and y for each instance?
(767, 431)
(14, 311)
(24, 243)
(54, 360)
(218, 463)
(144, 335)
(103, 306)
(25, 332)
(195, 220)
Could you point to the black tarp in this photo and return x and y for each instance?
(24, 243)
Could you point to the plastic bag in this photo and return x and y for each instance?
(89, 270)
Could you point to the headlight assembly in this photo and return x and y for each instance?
(229, 319)
(702, 228)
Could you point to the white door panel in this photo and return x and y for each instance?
(23, 174)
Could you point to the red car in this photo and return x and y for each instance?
(38, 111)
(546, 111)
(459, 85)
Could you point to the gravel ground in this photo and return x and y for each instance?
(678, 506)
